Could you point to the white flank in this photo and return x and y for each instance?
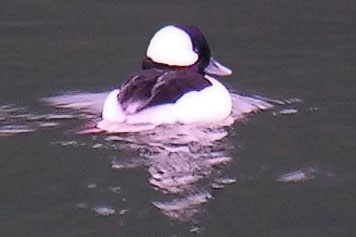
(211, 104)
(112, 110)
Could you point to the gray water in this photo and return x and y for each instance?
(292, 172)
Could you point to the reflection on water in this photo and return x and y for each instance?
(87, 103)
(178, 157)
(16, 120)
(297, 176)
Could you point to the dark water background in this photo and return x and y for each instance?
(278, 49)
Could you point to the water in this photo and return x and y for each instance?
(289, 170)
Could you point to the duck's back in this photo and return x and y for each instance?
(157, 87)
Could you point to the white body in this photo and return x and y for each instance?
(208, 105)
(112, 110)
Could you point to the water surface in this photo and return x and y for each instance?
(290, 173)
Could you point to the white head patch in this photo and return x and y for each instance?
(172, 46)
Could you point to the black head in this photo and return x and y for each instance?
(200, 46)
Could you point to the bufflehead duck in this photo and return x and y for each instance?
(175, 85)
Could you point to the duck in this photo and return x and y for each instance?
(177, 83)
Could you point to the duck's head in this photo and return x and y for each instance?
(179, 46)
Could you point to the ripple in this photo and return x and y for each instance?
(185, 208)
(104, 211)
(176, 156)
(297, 176)
(14, 129)
(288, 111)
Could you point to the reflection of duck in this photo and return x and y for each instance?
(177, 157)
(175, 85)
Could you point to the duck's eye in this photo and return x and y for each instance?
(196, 50)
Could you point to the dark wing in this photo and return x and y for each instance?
(174, 84)
(155, 87)
(137, 89)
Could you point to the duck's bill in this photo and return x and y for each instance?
(215, 68)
